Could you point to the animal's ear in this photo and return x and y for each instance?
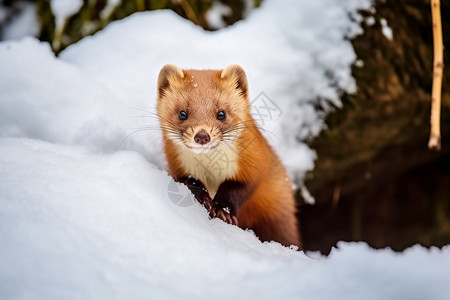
(167, 74)
(236, 74)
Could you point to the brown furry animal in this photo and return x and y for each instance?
(213, 145)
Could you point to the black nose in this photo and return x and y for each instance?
(202, 138)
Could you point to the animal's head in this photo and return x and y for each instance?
(203, 109)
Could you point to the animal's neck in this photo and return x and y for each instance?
(211, 168)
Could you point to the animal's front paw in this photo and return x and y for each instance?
(223, 213)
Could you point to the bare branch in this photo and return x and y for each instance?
(438, 67)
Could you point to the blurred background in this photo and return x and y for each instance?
(40, 17)
(375, 179)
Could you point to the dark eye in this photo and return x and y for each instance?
(183, 115)
(221, 115)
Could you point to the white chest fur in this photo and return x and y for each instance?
(211, 168)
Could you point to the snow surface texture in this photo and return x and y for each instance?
(80, 219)
(75, 224)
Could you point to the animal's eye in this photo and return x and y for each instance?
(221, 115)
(183, 115)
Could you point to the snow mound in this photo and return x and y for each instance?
(75, 224)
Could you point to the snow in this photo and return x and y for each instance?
(370, 21)
(86, 209)
(76, 224)
(359, 63)
(25, 23)
(64, 9)
(47, 99)
(214, 16)
(386, 30)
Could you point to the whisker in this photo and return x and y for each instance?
(126, 138)
(140, 116)
(160, 137)
(241, 126)
(156, 115)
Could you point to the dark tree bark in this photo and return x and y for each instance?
(375, 180)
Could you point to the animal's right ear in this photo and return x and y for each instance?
(236, 74)
(167, 74)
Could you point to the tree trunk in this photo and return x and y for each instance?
(375, 180)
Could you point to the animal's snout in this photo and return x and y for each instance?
(202, 138)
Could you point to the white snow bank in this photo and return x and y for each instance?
(45, 98)
(75, 224)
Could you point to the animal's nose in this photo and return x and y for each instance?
(202, 138)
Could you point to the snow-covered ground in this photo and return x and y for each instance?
(86, 210)
(76, 224)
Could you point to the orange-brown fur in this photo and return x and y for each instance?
(270, 210)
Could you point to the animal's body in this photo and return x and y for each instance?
(213, 145)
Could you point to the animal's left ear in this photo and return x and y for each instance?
(238, 77)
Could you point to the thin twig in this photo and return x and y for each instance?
(438, 67)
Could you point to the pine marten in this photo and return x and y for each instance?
(213, 145)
